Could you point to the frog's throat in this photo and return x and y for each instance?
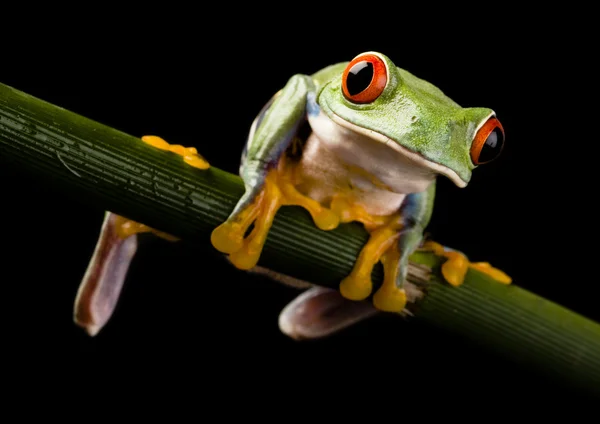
(416, 157)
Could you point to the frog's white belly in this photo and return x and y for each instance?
(336, 160)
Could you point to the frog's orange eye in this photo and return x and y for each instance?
(364, 78)
(488, 142)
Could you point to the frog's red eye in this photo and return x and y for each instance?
(364, 78)
(488, 142)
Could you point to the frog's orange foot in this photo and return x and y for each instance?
(278, 190)
(190, 154)
(390, 297)
(230, 237)
(381, 246)
(455, 268)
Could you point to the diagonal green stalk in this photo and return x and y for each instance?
(117, 172)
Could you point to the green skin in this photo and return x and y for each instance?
(422, 123)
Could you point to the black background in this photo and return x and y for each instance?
(198, 79)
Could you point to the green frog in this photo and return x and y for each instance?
(360, 141)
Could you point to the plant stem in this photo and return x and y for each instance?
(117, 172)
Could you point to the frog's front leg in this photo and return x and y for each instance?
(392, 243)
(274, 188)
(269, 179)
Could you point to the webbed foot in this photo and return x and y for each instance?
(455, 268)
(190, 154)
(278, 190)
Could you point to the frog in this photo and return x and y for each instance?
(358, 141)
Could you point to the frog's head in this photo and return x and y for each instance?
(374, 97)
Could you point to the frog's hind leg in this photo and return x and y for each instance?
(101, 285)
(270, 189)
(318, 311)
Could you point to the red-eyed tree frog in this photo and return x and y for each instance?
(357, 141)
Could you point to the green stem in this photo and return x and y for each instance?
(117, 172)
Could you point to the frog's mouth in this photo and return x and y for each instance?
(413, 156)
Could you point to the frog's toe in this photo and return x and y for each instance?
(101, 285)
(230, 237)
(325, 219)
(455, 268)
(227, 238)
(356, 286)
(248, 255)
(390, 299)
